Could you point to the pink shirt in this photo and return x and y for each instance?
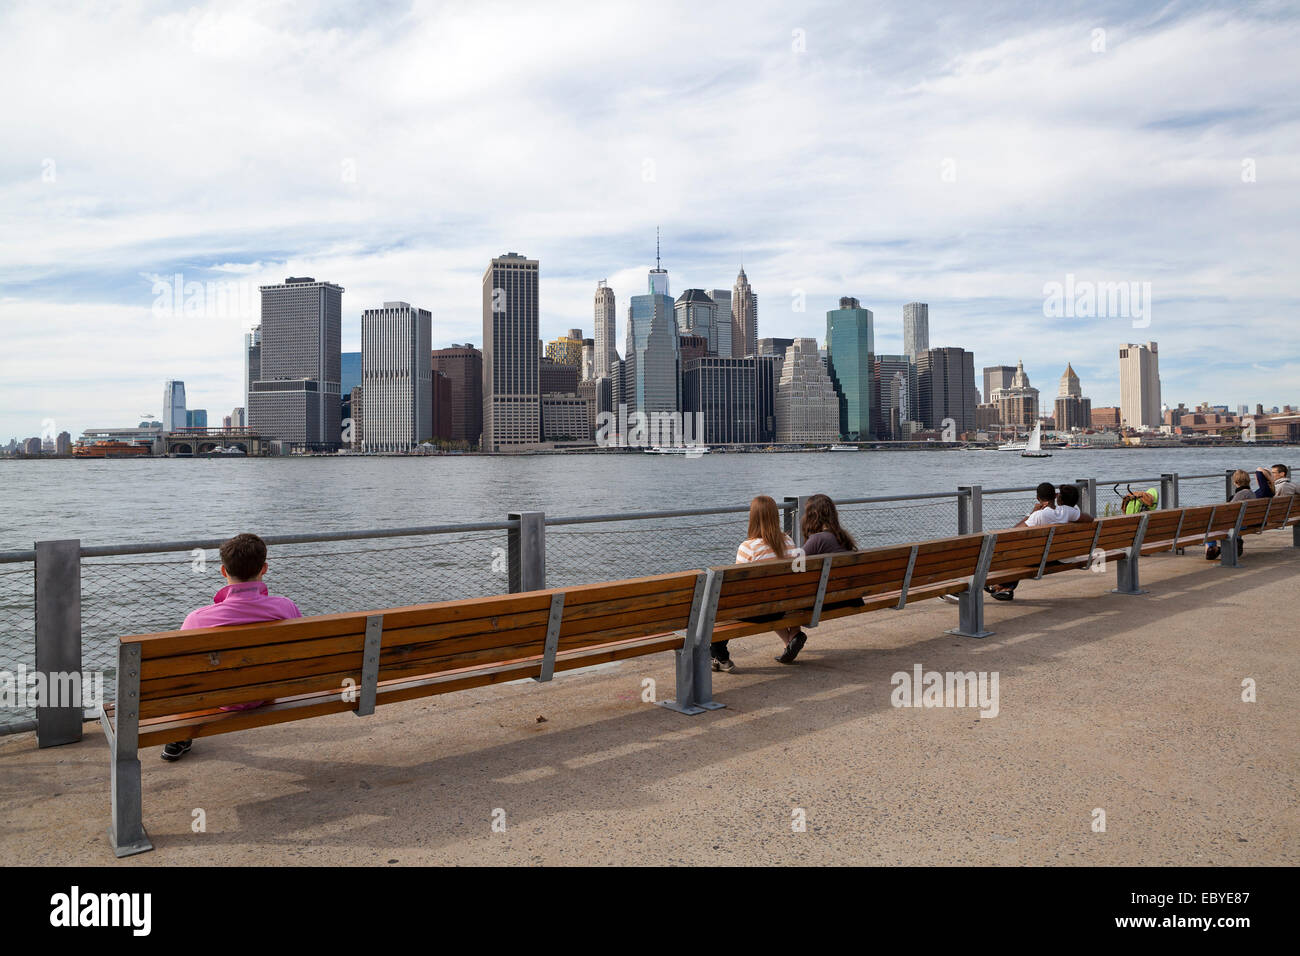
(246, 602)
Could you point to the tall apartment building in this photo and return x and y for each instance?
(807, 408)
(397, 377)
(296, 397)
(946, 388)
(252, 359)
(512, 414)
(996, 377)
(173, 413)
(606, 347)
(744, 316)
(722, 300)
(916, 329)
(1139, 385)
(697, 314)
(463, 365)
(850, 356)
(722, 393)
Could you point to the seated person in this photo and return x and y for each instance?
(1049, 509)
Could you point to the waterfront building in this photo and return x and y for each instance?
(722, 301)
(1139, 385)
(397, 377)
(512, 414)
(722, 395)
(850, 357)
(238, 418)
(1071, 410)
(33, 446)
(443, 407)
(744, 316)
(355, 435)
(767, 376)
(349, 372)
(196, 418)
(173, 413)
(599, 394)
(946, 387)
(997, 377)
(463, 366)
(1107, 416)
(63, 444)
(553, 376)
(606, 349)
(296, 397)
(588, 360)
(1018, 403)
(988, 415)
(807, 408)
(566, 417)
(916, 329)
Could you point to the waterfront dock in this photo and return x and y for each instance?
(1130, 705)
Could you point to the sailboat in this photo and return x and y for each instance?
(1034, 447)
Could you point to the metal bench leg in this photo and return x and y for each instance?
(694, 667)
(1228, 550)
(970, 603)
(1126, 577)
(1295, 536)
(126, 831)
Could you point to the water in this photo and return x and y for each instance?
(160, 500)
(112, 502)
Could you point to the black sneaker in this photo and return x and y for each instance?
(725, 666)
(176, 749)
(1003, 595)
(1212, 552)
(793, 648)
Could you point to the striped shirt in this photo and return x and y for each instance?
(756, 549)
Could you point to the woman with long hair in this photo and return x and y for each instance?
(764, 540)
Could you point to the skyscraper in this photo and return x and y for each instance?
(886, 404)
(946, 386)
(252, 359)
(463, 364)
(511, 400)
(1139, 385)
(296, 396)
(1018, 403)
(807, 408)
(1071, 409)
(850, 355)
(725, 394)
(652, 356)
(173, 413)
(606, 349)
(916, 329)
(697, 314)
(744, 316)
(722, 299)
(396, 377)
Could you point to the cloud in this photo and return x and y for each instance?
(963, 157)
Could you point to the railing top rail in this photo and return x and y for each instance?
(1128, 481)
(15, 557)
(642, 515)
(840, 502)
(1006, 491)
(1217, 474)
(151, 547)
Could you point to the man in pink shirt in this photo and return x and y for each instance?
(244, 600)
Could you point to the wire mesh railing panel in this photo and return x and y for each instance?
(877, 525)
(608, 551)
(17, 634)
(1201, 491)
(1006, 510)
(141, 594)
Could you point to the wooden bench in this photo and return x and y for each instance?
(172, 685)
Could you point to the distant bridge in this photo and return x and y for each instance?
(201, 441)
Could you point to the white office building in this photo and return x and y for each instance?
(1139, 386)
(396, 377)
(807, 408)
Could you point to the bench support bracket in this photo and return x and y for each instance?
(970, 603)
(370, 666)
(552, 638)
(821, 593)
(126, 832)
(694, 660)
(1228, 548)
(1126, 568)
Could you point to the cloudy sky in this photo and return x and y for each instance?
(965, 155)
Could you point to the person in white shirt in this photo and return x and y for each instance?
(1049, 509)
(764, 540)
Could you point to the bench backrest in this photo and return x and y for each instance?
(1195, 523)
(1224, 520)
(1162, 528)
(1283, 505)
(1252, 520)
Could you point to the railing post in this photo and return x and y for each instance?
(1168, 490)
(1088, 491)
(526, 551)
(58, 638)
(970, 509)
(1228, 490)
(793, 515)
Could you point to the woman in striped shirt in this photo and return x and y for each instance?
(764, 540)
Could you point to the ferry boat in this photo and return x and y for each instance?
(843, 448)
(677, 450)
(111, 449)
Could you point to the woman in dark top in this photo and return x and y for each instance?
(822, 534)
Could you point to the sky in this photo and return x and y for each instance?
(965, 155)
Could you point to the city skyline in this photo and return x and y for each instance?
(974, 206)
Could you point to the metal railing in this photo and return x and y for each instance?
(64, 605)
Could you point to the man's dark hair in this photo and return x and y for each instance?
(1070, 495)
(1046, 491)
(1286, 472)
(243, 556)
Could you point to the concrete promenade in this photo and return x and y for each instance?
(1128, 704)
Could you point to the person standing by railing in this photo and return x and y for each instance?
(764, 540)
